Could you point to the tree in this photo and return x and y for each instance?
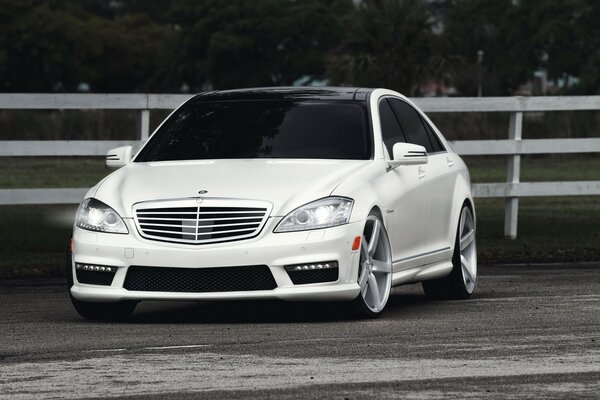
(568, 41)
(390, 43)
(503, 31)
(240, 43)
(54, 46)
(519, 37)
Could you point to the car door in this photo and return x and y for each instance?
(402, 188)
(438, 185)
(443, 163)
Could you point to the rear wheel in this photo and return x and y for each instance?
(461, 282)
(374, 269)
(117, 311)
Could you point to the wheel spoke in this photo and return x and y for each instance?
(375, 266)
(362, 281)
(363, 291)
(381, 266)
(463, 215)
(374, 290)
(466, 240)
(466, 267)
(374, 237)
(364, 250)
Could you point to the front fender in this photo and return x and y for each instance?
(462, 193)
(360, 187)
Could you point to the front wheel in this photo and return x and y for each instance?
(461, 282)
(374, 269)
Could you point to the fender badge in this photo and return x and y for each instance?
(203, 192)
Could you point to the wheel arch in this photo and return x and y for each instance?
(375, 209)
(462, 197)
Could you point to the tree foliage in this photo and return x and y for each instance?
(51, 46)
(519, 37)
(253, 43)
(390, 43)
(155, 45)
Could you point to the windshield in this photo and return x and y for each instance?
(262, 129)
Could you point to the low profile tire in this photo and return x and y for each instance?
(374, 270)
(118, 311)
(461, 282)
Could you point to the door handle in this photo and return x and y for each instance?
(450, 162)
(422, 173)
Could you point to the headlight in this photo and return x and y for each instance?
(94, 215)
(324, 213)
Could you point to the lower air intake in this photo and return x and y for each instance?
(95, 277)
(317, 276)
(199, 280)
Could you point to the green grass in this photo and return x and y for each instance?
(34, 239)
(552, 229)
(536, 168)
(48, 172)
(51, 172)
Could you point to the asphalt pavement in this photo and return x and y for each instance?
(529, 332)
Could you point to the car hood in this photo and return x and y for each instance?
(287, 184)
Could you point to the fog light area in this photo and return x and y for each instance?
(98, 268)
(312, 266)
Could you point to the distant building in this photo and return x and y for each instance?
(438, 89)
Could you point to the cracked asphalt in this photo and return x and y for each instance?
(529, 332)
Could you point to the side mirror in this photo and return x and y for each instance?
(409, 154)
(119, 157)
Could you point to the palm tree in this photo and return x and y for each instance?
(390, 43)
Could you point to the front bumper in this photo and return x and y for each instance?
(272, 249)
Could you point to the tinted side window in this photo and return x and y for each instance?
(390, 129)
(433, 137)
(412, 125)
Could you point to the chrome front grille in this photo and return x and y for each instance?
(201, 221)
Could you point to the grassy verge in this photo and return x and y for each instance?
(536, 168)
(553, 229)
(34, 239)
(51, 172)
(48, 172)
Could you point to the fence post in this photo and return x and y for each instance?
(513, 176)
(145, 124)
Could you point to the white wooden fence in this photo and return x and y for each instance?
(513, 147)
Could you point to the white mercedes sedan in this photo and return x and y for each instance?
(319, 194)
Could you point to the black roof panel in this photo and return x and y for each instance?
(286, 93)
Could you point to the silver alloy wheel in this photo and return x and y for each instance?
(375, 266)
(468, 251)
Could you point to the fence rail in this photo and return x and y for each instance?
(63, 148)
(513, 147)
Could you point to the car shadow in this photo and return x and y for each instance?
(263, 311)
